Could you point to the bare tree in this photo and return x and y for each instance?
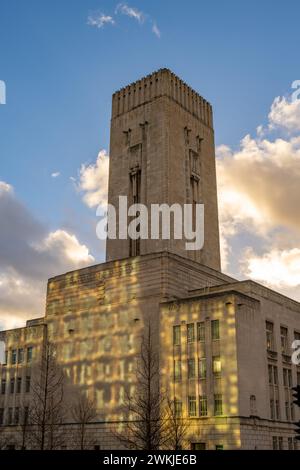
(176, 425)
(4, 438)
(24, 425)
(144, 426)
(83, 412)
(47, 404)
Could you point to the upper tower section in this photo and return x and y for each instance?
(161, 83)
(162, 152)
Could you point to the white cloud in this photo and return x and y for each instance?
(278, 269)
(138, 15)
(259, 184)
(66, 245)
(258, 190)
(131, 12)
(155, 30)
(99, 20)
(5, 188)
(29, 255)
(93, 181)
(285, 114)
(56, 174)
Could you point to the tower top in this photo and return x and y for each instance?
(163, 82)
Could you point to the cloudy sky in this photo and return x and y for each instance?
(62, 60)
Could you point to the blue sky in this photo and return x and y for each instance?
(60, 73)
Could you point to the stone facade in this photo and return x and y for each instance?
(225, 345)
(162, 151)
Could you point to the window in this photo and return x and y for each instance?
(12, 385)
(17, 415)
(191, 368)
(297, 335)
(178, 408)
(20, 355)
(26, 415)
(198, 446)
(270, 336)
(201, 331)
(192, 406)
(280, 443)
(253, 409)
(219, 447)
(3, 386)
(273, 374)
(176, 335)
(14, 356)
(190, 333)
(27, 384)
(290, 443)
(277, 409)
(29, 353)
(203, 405)
(288, 405)
(284, 339)
(218, 405)
(215, 329)
(275, 442)
(217, 365)
(19, 384)
(177, 369)
(202, 368)
(272, 408)
(292, 411)
(10, 416)
(1, 416)
(287, 378)
(295, 444)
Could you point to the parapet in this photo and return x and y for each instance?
(161, 83)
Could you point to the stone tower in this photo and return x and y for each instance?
(162, 151)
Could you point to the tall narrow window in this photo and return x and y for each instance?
(135, 183)
(10, 416)
(192, 407)
(217, 367)
(195, 198)
(20, 355)
(176, 335)
(274, 392)
(288, 393)
(27, 384)
(17, 415)
(203, 405)
(14, 356)
(215, 329)
(190, 333)
(284, 339)
(270, 336)
(202, 368)
(201, 331)
(3, 386)
(177, 370)
(191, 368)
(29, 354)
(218, 405)
(253, 409)
(177, 408)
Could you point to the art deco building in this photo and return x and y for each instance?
(225, 345)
